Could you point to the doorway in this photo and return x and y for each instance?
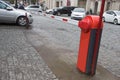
(108, 6)
(96, 7)
(57, 4)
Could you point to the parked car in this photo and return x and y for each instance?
(36, 8)
(49, 11)
(63, 10)
(112, 16)
(8, 14)
(78, 13)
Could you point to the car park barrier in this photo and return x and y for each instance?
(87, 51)
(91, 30)
(63, 19)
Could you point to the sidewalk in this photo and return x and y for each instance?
(19, 60)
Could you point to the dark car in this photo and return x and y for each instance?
(63, 10)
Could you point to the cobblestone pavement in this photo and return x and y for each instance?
(109, 55)
(67, 35)
(19, 60)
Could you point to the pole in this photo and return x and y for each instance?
(16, 5)
(101, 12)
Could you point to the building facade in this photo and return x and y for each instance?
(58, 3)
(95, 5)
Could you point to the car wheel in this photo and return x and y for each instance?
(58, 13)
(103, 19)
(40, 11)
(22, 21)
(115, 21)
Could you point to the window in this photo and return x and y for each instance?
(109, 12)
(79, 10)
(3, 6)
(118, 12)
(65, 8)
(57, 4)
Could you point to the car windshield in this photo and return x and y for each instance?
(4, 5)
(79, 10)
(118, 13)
(33, 6)
(60, 7)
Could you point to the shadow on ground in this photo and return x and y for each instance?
(14, 26)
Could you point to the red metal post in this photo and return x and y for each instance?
(27, 20)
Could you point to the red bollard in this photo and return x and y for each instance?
(52, 16)
(90, 38)
(27, 26)
(65, 20)
(44, 14)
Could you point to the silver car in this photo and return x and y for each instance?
(35, 8)
(8, 14)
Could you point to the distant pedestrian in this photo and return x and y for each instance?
(90, 11)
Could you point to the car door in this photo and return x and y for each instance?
(6, 13)
(34, 8)
(107, 16)
(112, 16)
(64, 10)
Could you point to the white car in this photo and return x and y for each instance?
(112, 16)
(35, 8)
(78, 13)
(8, 14)
(49, 11)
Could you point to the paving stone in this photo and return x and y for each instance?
(19, 60)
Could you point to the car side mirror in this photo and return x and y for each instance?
(9, 8)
